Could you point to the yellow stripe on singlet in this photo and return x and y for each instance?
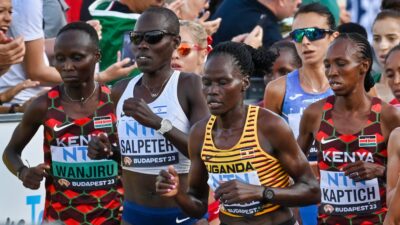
(246, 156)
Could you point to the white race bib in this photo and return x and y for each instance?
(341, 195)
(242, 209)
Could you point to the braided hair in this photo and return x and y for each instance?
(248, 60)
(363, 51)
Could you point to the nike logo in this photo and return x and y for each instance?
(326, 141)
(57, 128)
(181, 220)
(295, 96)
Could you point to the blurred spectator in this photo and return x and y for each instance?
(191, 10)
(241, 16)
(27, 23)
(363, 12)
(9, 94)
(11, 50)
(54, 18)
(190, 55)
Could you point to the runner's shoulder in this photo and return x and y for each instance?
(119, 88)
(390, 115)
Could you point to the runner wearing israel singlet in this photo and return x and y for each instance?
(351, 130)
(155, 111)
(312, 32)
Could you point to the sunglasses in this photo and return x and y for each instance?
(185, 49)
(312, 34)
(151, 37)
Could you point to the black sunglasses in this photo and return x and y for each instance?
(151, 37)
(312, 34)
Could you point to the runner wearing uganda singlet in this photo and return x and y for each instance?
(246, 162)
(351, 130)
(246, 154)
(79, 190)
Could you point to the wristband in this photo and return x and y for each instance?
(19, 171)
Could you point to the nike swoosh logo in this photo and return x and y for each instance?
(182, 220)
(295, 96)
(326, 141)
(57, 128)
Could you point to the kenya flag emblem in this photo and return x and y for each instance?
(367, 141)
(102, 122)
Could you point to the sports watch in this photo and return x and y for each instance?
(268, 194)
(166, 126)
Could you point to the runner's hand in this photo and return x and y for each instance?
(99, 147)
(167, 183)
(31, 177)
(140, 111)
(361, 170)
(234, 191)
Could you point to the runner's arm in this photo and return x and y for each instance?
(393, 214)
(308, 124)
(23, 133)
(194, 202)
(306, 189)
(393, 166)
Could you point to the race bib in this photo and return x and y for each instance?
(341, 195)
(72, 168)
(143, 147)
(242, 209)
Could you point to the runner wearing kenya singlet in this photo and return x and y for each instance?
(90, 187)
(358, 201)
(79, 190)
(351, 130)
